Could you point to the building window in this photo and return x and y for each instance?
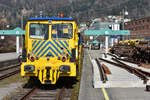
(143, 27)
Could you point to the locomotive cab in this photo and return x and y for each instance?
(52, 49)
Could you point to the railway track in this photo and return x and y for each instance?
(138, 72)
(9, 67)
(34, 90)
(102, 71)
(9, 71)
(37, 93)
(8, 63)
(126, 60)
(135, 71)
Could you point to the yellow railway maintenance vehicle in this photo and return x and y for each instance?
(52, 49)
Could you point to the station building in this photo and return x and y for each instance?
(139, 29)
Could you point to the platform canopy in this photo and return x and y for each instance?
(107, 32)
(94, 42)
(16, 31)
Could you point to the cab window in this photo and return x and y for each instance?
(62, 30)
(39, 31)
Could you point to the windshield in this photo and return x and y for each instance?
(39, 31)
(62, 30)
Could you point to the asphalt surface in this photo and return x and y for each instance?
(87, 92)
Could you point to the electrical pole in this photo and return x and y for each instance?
(17, 37)
(123, 11)
(21, 20)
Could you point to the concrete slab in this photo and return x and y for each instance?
(119, 77)
(86, 91)
(128, 94)
(8, 56)
(130, 64)
(7, 89)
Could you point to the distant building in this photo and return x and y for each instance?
(82, 27)
(113, 21)
(101, 25)
(139, 28)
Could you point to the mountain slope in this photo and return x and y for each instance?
(82, 10)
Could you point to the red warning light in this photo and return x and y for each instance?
(61, 15)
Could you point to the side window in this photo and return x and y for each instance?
(39, 31)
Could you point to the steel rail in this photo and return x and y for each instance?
(60, 94)
(128, 68)
(102, 71)
(9, 74)
(9, 67)
(141, 75)
(105, 55)
(28, 94)
(144, 72)
(130, 61)
(133, 70)
(123, 59)
(112, 55)
(110, 62)
(125, 66)
(32, 93)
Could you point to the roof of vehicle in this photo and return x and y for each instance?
(52, 18)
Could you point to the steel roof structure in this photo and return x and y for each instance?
(51, 18)
(107, 32)
(16, 31)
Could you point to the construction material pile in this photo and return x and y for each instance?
(139, 53)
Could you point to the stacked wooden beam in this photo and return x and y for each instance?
(136, 53)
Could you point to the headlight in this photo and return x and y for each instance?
(64, 68)
(29, 68)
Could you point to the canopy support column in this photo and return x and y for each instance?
(17, 44)
(112, 42)
(106, 44)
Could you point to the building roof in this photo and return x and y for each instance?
(51, 18)
(145, 18)
(100, 25)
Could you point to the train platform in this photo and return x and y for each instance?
(7, 59)
(119, 77)
(8, 56)
(88, 92)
